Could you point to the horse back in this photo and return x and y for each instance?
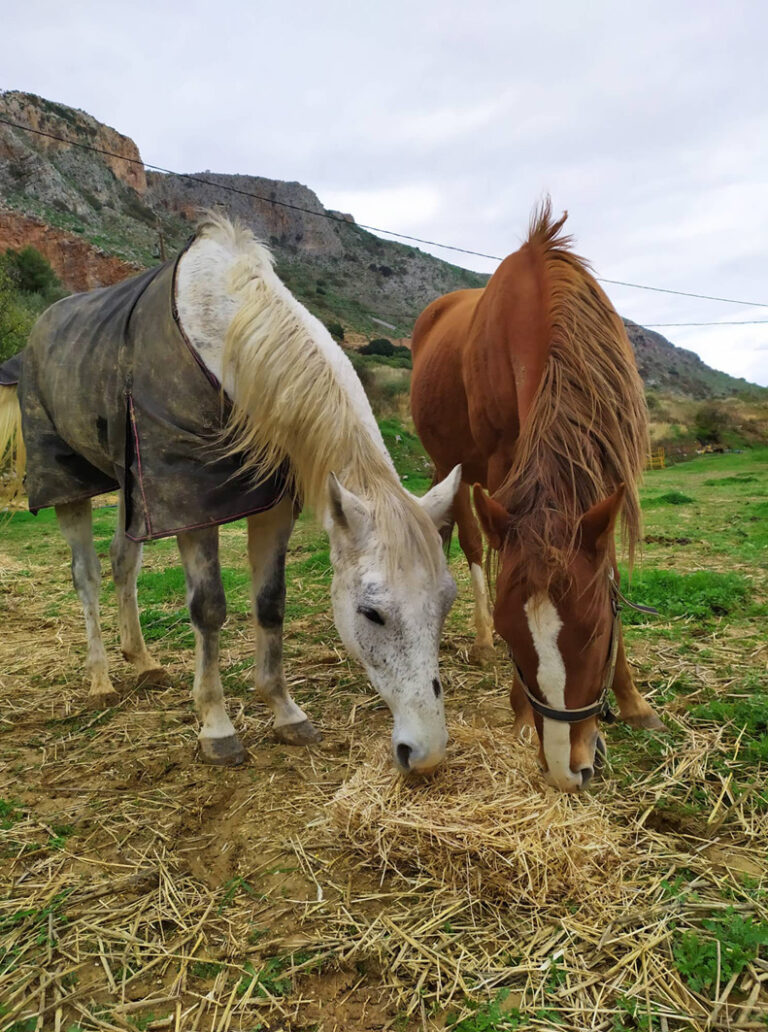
(439, 402)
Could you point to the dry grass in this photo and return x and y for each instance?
(313, 889)
(485, 823)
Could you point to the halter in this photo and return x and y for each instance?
(600, 707)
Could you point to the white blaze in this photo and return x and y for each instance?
(544, 624)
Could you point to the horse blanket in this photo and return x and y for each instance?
(113, 395)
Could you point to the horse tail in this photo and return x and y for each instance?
(12, 450)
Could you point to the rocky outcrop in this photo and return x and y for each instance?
(29, 153)
(287, 216)
(78, 264)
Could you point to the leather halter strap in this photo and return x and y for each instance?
(600, 707)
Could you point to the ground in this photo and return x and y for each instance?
(144, 890)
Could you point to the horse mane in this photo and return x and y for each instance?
(587, 430)
(299, 403)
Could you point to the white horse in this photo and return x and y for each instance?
(295, 399)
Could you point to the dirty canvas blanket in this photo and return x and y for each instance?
(114, 396)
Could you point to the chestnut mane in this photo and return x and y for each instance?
(587, 429)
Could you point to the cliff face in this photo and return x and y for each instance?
(281, 225)
(51, 170)
(96, 196)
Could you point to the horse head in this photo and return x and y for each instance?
(389, 605)
(560, 623)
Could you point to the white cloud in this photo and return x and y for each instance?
(449, 121)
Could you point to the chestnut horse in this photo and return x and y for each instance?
(531, 384)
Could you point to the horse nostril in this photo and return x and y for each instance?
(586, 775)
(404, 755)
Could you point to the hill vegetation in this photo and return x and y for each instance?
(101, 206)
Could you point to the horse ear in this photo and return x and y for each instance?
(438, 501)
(597, 524)
(346, 512)
(494, 518)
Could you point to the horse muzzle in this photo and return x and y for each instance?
(412, 758)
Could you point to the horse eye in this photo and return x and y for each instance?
(372, 615)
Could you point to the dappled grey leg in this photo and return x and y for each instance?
(126, 563)
(208, 609)
(75, 524)
(268, 535)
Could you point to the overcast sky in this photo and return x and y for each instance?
(648, 121)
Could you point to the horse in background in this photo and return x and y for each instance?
(531, 385)
(204, 392)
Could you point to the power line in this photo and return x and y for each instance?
(243, 193)
(361, 225)
(743, 322)
(684, 293)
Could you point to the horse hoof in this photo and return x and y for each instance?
(222, 752)
(303, 733)
(154, 678)
(103, 700)
(482, 655)
(649, 721)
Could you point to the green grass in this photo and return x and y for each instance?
(668, 498)
(272, 978)
(10, 813)
(748, 716)
(494, 1016)
(723, 948)
(703, 595)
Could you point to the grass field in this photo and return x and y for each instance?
(143, 890)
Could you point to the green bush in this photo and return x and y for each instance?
(379, 346)
(335, 329)
(32, 271)
(15, 320)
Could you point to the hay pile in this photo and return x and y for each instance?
(486, 823)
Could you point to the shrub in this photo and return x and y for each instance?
(15, 320)
(32, 271)
(335, 329)
(379, 346)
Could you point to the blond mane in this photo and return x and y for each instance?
(587, 430)
(298, 401)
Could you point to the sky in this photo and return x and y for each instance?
(647, 121)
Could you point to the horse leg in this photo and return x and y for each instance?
(521, 708)
(471, 541)
(268, 535)
(75, 524)
(126, 563)
(207, 610)
(633, 709)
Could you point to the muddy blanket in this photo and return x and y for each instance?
(114, 395)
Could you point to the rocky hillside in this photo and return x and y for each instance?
(672, 370)
(98, 217)
(338, 270)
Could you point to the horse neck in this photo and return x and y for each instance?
(295, 392)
